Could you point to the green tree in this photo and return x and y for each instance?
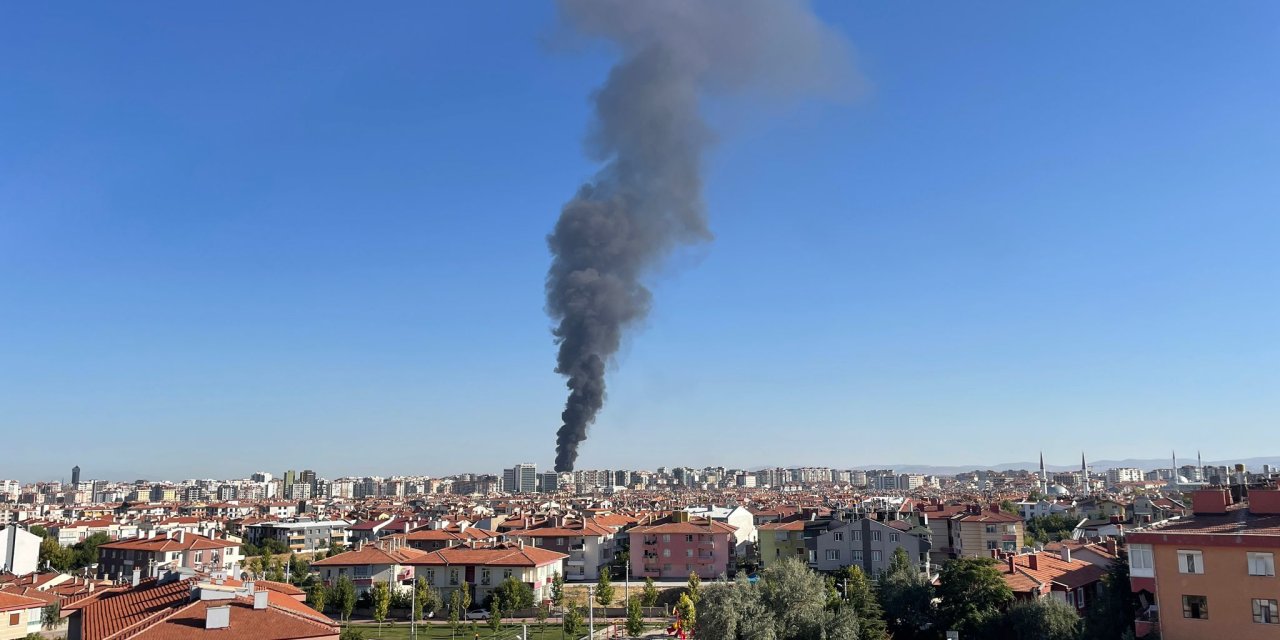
(906, 597)
(862, 598)
(694, 587)
(512, 595)
(276, 571)
(495, 617)
(542, 614)
(51, 615)
(1040, 619)
(466, 596)
(455, 608)
(299, 569)
(604, 588)
(649, 595)
(796, 596)
(557, 589)
(635, 618)
(318, 596)
(351, 634)
(1009, 507)
(344, 597)
(573, 620)
(688, 611)
(86, 551)
(1113, 613)
(56, 556)
(425, 599)
(973, 595)
(381, 596)
(788, 603)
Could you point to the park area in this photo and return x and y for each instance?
(401, 631)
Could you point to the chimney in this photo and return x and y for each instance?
(1033, 561)
(217, 617)
(995, 508)
(1210, 501)
(1012, 563)
(182, 536)
(137, 576)
(259, 599)
(1115, 519)
(1264, 502)
(1113, 547)
(1066, 554)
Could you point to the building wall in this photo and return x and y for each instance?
(868, 543)
(775, 545)
(19, 550)
(676, 556)
(17, 623)
(1225, 582)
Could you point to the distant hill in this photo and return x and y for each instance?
(1146, 464)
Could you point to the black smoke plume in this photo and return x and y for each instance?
(646, 200)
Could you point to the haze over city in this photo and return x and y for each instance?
(327, 234)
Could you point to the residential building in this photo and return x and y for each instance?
(170, 608)
(19, 550)
(303, 535)
(1123, 474)
(1069, 580)
(436, 539)
(587, 545)
(388, 561)
(485, 566)
(680, 545)
(154, 553)
(870, 544)
(19, 616)
(970, 530)
(783, 539)
(1212, 575)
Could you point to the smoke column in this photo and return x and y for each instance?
(648, 134)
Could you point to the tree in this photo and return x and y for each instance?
(649, 596)
(351, 634)
(796, 596)
(344, 597)
(862, 599)
(1113, 613)
(425, 599)
(466, 596)
(495, 616)
(1009, 507)
(381, 596)
(299, 569)
(906, 597)
(318, 596)
(687, 611)
(51, 615)
(512, 595)
(635, 618)
(56, 556)
(543, 613)
(275, 572)
(455, 608)
(973, 594)
(573, 620)
(557, 589)
(695, 586)
(1040, 619)
(85, 552)
(788, 603)
(604, 588)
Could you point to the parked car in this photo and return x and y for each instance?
(478, 614)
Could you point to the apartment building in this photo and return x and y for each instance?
(154, 553)
(388, 562)
(680, 545)
(588, 545)
(971, 530)
(1212, 575)
(484, 567)
(19, 550)
(453, 535)
(870, 544)
(303, 535)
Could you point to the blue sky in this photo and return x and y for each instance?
(313, 235)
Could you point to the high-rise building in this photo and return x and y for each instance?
(290, 477)
(75, 475)
(526, 477)
(308, 477)
(550, 482)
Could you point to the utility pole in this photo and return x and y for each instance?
(591, 612)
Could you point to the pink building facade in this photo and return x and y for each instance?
(674, 548)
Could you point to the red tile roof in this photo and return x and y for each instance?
(160, 543)
(371, 554)
(499, 555)
(13, 602)
(1050, 569)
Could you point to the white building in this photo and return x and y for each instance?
(19, 550)
(1123, 474)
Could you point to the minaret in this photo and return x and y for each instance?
(1084, 472)
(1199, 466)
(1044, 479)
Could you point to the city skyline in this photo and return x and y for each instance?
(329, 243)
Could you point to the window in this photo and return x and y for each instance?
(1011, 529)
(666, 537)
(1140, 561)
(1262, 564)
(484, 576)
(1264, 612)
(688, 553)
(857, 556)
(1190, 562)
(666, 553)
(875, 536)
(833, 554)
(992, 544)
(431, 576)
(876, 556)
(506, 573)
(688, 538)
(453, 577)
(857, 536)
(13, 619)
(893, 537)
(991, 528)
(838, 536)
(1071, 598)
(1195, 607)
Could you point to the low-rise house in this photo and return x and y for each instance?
(436, 539)
(1048, 575)
(171, 608)
(151, 555)
(19, 615)
(485, 566)
(681, 545)
(387, 561)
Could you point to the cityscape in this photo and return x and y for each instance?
(639, 319)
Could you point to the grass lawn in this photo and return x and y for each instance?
(400, 631)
